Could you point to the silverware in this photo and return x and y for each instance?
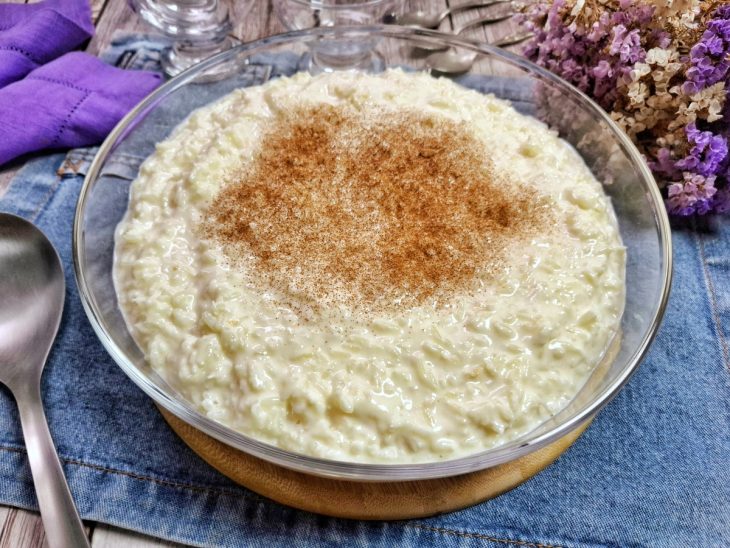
(454, 62)
(427, 20)
(486, 20)
(31, 301)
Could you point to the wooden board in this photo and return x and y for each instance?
(367, 500)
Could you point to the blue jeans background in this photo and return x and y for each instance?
(652, 470)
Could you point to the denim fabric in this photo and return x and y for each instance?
(652, 470)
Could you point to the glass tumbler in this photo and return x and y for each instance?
(197, 29)
(336, 52)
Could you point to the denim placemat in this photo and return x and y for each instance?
(652, 470)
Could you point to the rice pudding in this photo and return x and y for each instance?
(376, 268)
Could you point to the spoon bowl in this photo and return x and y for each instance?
(31, 298)
(453, 61)
(32, 290)
(486, 20)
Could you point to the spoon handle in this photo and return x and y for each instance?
(58, 512)
(475, 4)
(494, 18)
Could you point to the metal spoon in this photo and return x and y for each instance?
(31, 301)
(426, 20)
(454, 62)
(486, 20)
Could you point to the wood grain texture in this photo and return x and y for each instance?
(367, 500)
(254, 19)
(4, 513)
(397, 52)
(106, 536)
(97, 8)
(486, 33)
(116, 16)
(22, 529)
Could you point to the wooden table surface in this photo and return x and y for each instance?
(23, 529)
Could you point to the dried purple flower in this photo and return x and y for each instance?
(630, 56)
(693, 195)
(664, 164)
(710, 57)
(626, 44)
(593, 59)
(707, 154)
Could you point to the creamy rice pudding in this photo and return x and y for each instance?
(377, 268)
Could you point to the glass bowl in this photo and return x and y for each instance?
(533, 91)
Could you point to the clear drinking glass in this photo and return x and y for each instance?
(333, 51)
(197, 29)
(532, 90)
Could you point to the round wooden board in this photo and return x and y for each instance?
(366, 500)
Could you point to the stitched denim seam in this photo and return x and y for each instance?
(83, 160)
(122, 158)
(22, 51)
(86, 156)
(67, 170)
(466, 534)
(724, 349)
(119, 157)
(59, 82)
(167, 483)
(259, 499)
(131, 161)
(72, 167)
(46, 199)
(66, 121)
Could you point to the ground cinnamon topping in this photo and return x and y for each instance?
(370, 208)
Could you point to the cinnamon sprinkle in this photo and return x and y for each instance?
(370, 209)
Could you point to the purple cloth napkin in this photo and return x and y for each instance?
(33, 34)
(71, 102)
(52, 102)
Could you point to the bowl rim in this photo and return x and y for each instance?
(346, 470)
